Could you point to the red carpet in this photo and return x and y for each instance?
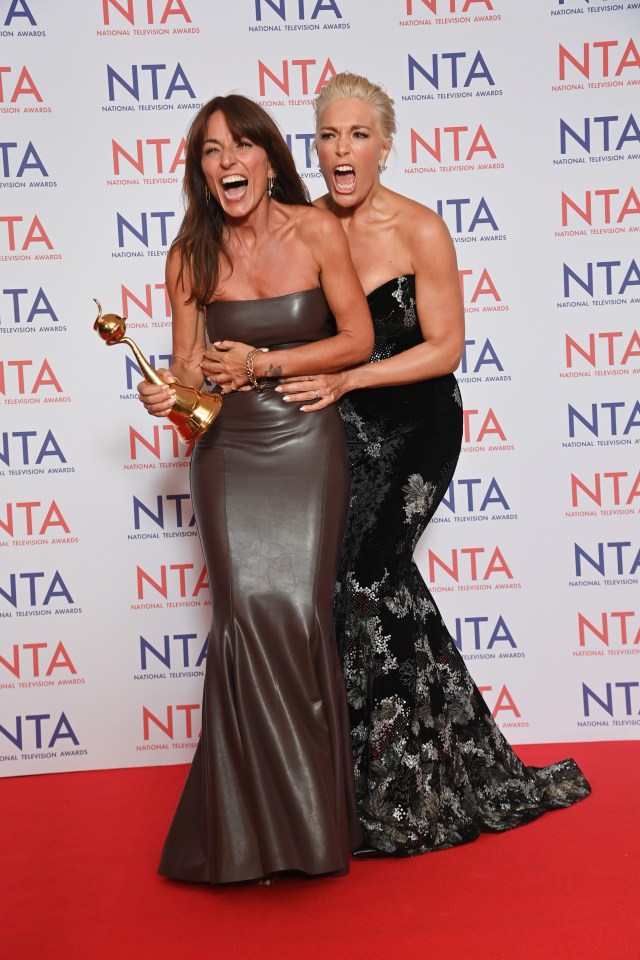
(78, 882)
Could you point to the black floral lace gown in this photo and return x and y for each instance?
(432, 769)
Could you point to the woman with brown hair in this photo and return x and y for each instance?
(262, 273)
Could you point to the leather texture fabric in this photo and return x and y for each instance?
(270, 788)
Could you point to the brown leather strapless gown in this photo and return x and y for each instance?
(270, 788)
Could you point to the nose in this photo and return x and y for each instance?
(342, 144)
(227, 156)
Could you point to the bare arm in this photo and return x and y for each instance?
(440, 314)
(187, 327)
(353, 342)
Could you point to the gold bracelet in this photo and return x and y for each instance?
(248, 366)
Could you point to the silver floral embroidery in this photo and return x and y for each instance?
(410, 314)
(398, 293)
(418, 495)
(374, 447)
(408, 305)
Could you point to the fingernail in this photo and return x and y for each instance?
(279, 389)
(286, 396)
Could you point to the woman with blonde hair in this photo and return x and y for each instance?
(432, 768)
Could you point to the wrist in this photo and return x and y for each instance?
(355, 379)
(262, 364)
(253, 376)
(185, 375)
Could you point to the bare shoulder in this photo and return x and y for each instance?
(420, 222)
(424, 233)
(322, 202)
(318, 225)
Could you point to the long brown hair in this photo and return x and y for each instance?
(200, 239)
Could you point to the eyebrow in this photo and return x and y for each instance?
(354, 126)
(219, 142)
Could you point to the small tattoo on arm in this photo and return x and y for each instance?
(273, 371)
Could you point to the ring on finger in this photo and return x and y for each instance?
(317, 394)
(309, 378)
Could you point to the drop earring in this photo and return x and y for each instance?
(270, 182)
(207, 195)
(382, 167)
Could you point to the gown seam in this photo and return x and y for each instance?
(325, 481)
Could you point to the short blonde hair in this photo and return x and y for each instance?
(345, 86)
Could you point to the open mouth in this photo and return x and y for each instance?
(344, 178)
(234, 187)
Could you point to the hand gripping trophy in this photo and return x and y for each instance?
(193, 411)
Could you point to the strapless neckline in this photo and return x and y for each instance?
(282, 296)
(383, 286)
(288, 319)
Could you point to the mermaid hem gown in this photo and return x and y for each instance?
(270, 788)
(432, 769)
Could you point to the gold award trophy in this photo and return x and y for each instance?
(193, 411)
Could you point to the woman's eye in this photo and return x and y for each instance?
(245, 143)
(361, 135)
(326, 136)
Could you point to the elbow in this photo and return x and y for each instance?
(453, 362)
(363, 349)
(448, 361)
(452, 345)
(364, 356)
(452, 356)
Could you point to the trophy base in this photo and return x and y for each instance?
(194, 412)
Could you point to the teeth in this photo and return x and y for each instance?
(234, 178)
(344, 169)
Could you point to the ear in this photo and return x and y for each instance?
(386, 149)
